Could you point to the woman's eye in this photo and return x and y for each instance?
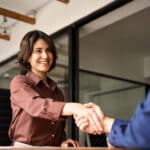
(37, 51)
(48, 50)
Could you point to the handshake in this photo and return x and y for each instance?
(89, 118)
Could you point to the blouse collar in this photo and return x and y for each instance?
(36, 80)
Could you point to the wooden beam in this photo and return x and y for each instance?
(64, 1)
(5, 36)
(17, 16)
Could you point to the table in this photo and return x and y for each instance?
(56, 148)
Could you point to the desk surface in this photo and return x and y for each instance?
(56, 148)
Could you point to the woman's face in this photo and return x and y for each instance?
(41, 58)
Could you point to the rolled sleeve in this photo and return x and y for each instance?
(26, 97)
(53, 109)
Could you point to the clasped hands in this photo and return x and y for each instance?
(90, 119)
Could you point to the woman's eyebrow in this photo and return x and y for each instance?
(38, 47)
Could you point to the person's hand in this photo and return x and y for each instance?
(89, 116)
(70, 143)
(90, 120)
(97, 109)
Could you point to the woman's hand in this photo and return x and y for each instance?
(87, 117)
(91, 120)
(97, 109)
(70, 143)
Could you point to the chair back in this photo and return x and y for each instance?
(5, 117)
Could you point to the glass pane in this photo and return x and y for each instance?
(117, 47)
(7, 72)
(60, 73)
(116, 98)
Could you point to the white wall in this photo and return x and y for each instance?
(105, 57)
(51, 18)
(120, 47)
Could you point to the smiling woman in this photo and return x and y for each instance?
(38, 107)
(35, 48)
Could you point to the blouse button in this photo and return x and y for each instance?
(53, 135)
(52, 122)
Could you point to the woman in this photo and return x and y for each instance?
(38, 107)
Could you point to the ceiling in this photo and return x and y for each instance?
(21, 7)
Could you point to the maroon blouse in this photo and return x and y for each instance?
(36, 111)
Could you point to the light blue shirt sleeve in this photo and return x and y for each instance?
(134, 133)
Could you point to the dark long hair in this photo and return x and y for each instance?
(26, 49)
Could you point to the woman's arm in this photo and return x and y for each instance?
(24, 95)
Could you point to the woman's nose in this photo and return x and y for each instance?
(44, 55)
